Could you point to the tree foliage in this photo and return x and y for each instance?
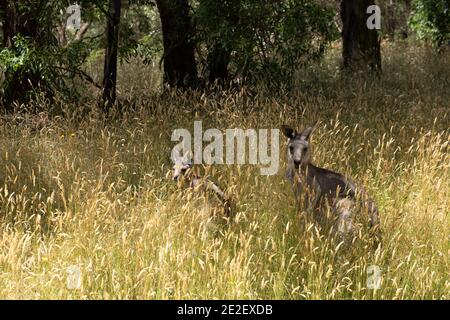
(431, 20)
(265, 37)
(35, 62)
(234, 40)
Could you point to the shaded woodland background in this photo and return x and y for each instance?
(85, 140)
(199, 44)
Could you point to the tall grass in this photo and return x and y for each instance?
(81, 190)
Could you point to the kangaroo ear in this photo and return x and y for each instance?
(307, 132)
(288, 132)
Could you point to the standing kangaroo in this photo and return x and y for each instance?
(183, 173)
(319, 187)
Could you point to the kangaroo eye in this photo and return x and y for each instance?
(184, 170)
(291, 149)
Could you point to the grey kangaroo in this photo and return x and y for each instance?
(318, 187)
(183, 172)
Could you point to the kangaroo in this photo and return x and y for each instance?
(183, 173)
(318, 186)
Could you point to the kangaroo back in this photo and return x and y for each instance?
(210, 186)
(183, 172)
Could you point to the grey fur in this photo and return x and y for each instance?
(183, 173)
(315, 186)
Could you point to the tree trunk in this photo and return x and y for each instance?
(391, 19)
(361, 46)
(3, 20)
(218, 60)
(110, 67)
(10, 18)
(180, 69)
(22, 18)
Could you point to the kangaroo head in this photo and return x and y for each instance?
(299, 150)
(181, 166)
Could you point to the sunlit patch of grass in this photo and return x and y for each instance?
(93, 193)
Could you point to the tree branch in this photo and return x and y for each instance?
(82, 75)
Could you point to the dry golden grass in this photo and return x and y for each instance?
(88, 192)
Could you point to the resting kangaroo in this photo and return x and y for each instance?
(319, 186)
(183, 172)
